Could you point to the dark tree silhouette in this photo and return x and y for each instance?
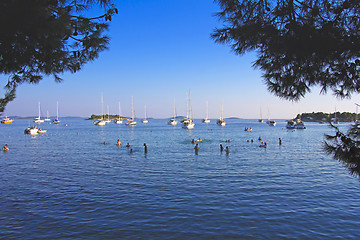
(299, 45)
(49, 37)
(346, 148)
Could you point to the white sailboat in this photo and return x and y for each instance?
(271, 123)
(108, 115)
(173, 120)
(131, 122)
(119, 121)
(38, 119)
(206, 119)
(47, 119)
(260, 120)
(145, 120)
(101, 122)
(221, 120)
(188, 122)
(56, 120)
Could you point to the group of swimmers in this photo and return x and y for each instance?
(118, 143)
(264, 144)
(195, 141)
(227, 150)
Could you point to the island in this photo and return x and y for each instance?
(327, 117)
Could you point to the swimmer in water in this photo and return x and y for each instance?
(118, 143)
(264, 145)
(227, 150)
(221, 148)
(200, 140)
(131, 151)
(280, 141)
(104, 143)
(127, 145)
(5, 148)
(259, 139)
(193, 141)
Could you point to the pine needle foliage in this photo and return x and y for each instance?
(345, 147)
(48, 38)
(299, 44)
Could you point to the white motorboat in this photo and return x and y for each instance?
(290, 124)
(271, 123)
(31, 130)
(300, 124)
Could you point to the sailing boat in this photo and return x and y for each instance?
(108, 115)
(38, 119)
(47, 119)
(101, 122)
(188, 122)
(56, 120)
(271, 123)
(173, 120)
(206, 119)
(118, 121)
(131, 122)
(221, 120)
(260, 119)
(145, 120)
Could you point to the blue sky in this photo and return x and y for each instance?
(159, 50)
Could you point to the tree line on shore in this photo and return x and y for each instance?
(327, 117)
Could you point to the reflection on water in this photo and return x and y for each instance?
(67, 184)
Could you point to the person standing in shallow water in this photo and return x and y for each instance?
(196, 148)
(280, 141)
(221, 148)
(227, 150)
(145, 148)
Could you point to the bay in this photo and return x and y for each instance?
(67, 183)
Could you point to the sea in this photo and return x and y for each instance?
(67, 184)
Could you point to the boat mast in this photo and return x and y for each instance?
(119, 111)
(39, 110)
(190, 108)
(207, 110)
(145, 112)
(57, 109)
(132, 108)
(102, 107)
(174, 109)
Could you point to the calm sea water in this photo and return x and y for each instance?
(67, 184)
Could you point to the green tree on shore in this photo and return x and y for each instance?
(47, 38)
(299, 45)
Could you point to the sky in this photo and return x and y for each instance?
(160, 49)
